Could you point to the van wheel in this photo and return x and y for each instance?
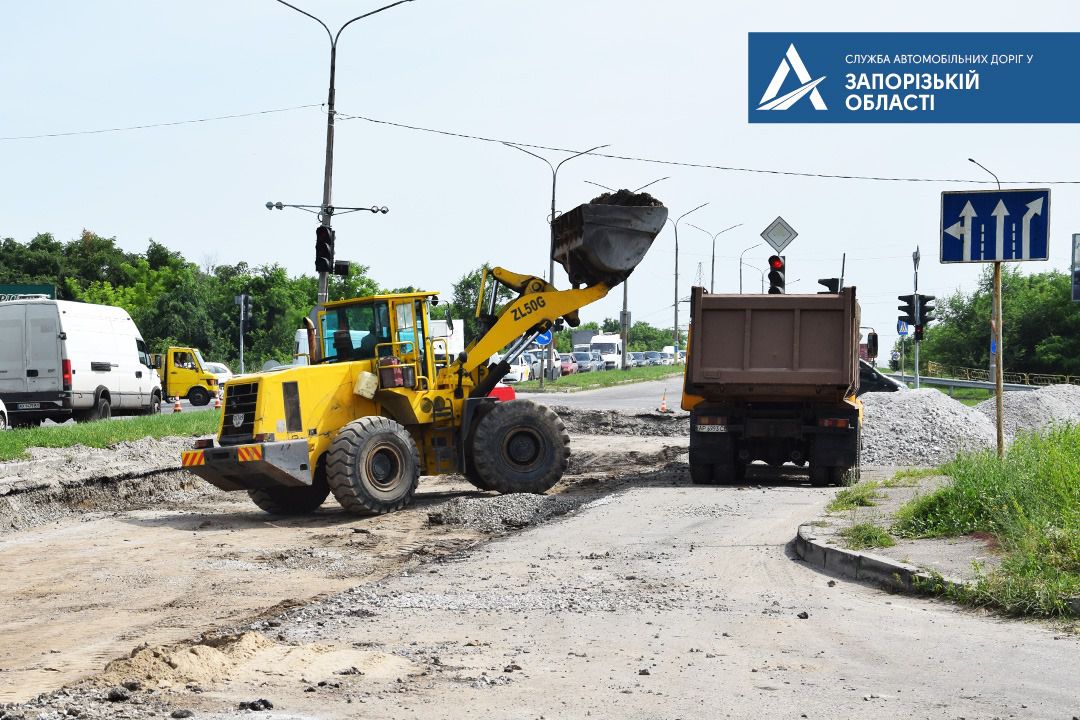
(198, 396)
(155, 404)
(103, 410)
(3, 422)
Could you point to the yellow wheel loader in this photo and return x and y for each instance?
(374, 409)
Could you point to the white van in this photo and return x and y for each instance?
(62, 359)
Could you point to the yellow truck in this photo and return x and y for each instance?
(184, 375)
(374, 411)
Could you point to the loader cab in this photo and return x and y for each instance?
(390, 330)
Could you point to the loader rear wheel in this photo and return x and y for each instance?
(520, 447)
(373, 466)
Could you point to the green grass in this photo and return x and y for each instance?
(13, 443)
(866, 535)
(861, 495)
(967, 396)
(605, 378)
(1029, 502)
(909, 477)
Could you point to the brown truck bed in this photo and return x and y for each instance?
(773, 347)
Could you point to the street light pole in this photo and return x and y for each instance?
(327, 211)
(741, 262)
(675, 330)
(712, 274)
(998, 356)
(551, 224)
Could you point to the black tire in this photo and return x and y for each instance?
(701, 473)
(820, 476)
(198, 396)
(373, 466)
(294, 500)
(470, 472)
(521, 447)
(102, 410)
(3, 422)
(155, 404)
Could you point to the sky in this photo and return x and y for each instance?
(664, 81)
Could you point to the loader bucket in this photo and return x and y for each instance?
(604, 243)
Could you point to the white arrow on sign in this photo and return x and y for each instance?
(1034, 208)
(964, 230)
(1000, 212)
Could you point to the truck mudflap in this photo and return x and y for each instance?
(250, 467)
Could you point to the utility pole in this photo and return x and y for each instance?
(915, 256)
(241, 300)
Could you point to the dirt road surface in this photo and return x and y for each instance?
(650, 598)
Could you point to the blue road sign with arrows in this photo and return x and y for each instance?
(995, 225)
(543, 338)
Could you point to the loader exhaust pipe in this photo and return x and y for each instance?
(312, 345)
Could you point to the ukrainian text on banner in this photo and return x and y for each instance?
(913, 78)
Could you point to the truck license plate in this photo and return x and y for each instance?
(711, 428)
(29, 406)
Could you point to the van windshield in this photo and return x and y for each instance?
(606, 348)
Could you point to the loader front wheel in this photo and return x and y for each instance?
(520, 447)
(373, 466)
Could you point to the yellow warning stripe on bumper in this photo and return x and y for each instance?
(192, 457)
(248, 453)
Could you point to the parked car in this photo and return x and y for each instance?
(519, 371)
(584, 361)
(598, 361)
(667, 359)
(568, 363)
(872, 380)
(219, 370)
(652, 357)
(638, 359)
(3, 417)
(554, 370)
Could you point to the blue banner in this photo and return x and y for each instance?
(913, 78)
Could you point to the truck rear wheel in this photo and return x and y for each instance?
(373, 466)
(520, 447)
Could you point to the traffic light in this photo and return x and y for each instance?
(918, 333)
(832, 285)
(907, 309)
(1076, 285)
(926, 309)
(249, 317)
(324, 249)
(776, 275)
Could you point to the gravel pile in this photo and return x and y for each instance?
(502, 512)
(1033, 411)
(613, 422)
(921, 427)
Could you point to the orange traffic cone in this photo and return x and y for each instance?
(176, 406)
(663, 403)
(217, 402)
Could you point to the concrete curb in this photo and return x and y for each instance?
(866, 567)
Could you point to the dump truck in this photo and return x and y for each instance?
(184, 375)
(773, 378)
(373, 411)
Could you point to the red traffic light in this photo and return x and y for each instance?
(776, 262)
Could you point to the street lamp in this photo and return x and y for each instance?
(760, 272)
(741, 262)
(624, 319)
(675, 329)
(712, 274)
(326, 211)
(551, 221)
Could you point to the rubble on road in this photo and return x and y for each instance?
(503, 512)
(613, 422)
(1031, 411)
(920, 427)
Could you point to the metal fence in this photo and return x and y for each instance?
(938, 370)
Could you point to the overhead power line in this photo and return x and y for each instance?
(100, 131)
(706, 166)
